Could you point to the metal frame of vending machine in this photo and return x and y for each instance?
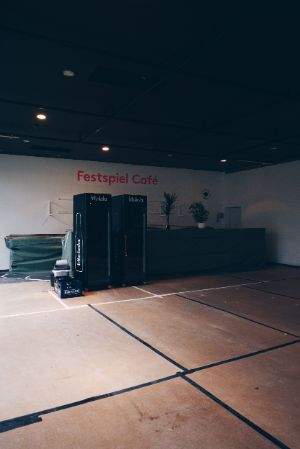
(92, 226)
(129, 213)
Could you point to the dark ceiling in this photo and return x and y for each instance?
(164, 83)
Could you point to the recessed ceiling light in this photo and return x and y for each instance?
(41, 116)
(223, 161)
(68, 73)
(105, 148)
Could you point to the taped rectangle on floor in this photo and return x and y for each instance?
(169, 415)
(190, 333)
(57, 358)
(264, 388)
(26, 297)
(267, 308)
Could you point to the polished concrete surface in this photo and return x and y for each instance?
(270, 273)
(264, 388)
(289, 288)
(206, 362)
(192, 283)
(108, 295)
(256, 305)
(168, 415)
(67, 357)
(26, 297)
(190, 333)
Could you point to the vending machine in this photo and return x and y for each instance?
(129, 239)
(92, 239)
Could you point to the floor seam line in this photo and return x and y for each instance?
(55, 296)
(32, 418)
(235, 413)
(274, 293)
(239, 316)
(140, 340)
(72, 307)
(125, 300)
(240, 357)
(270, 280)
(154, 296)
(142, 290)
(207, 289)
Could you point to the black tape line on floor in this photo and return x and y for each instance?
(21, 421)
(240, 357)
(238, 315)
(140, 340)
(272, 293)
(238, 415)
(266, 280)
(32, 418)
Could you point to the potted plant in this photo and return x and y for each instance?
(200, 214)
(167, 206)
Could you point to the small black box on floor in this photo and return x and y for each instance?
(92, 239)
(129, 239)
(68, 288)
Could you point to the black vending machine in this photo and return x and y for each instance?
(92, 239)
(129, 239)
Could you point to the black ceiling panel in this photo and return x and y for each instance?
(202, 103)
(163, 83)
(277, 123)
(258, 56)
(123, 78)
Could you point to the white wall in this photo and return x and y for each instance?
(29, 184)
(270, 198)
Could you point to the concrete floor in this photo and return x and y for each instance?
(208, 362)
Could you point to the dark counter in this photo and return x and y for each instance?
(169, 252)
(191, 250)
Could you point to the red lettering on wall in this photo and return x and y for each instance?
(79, 174)
(83, 176)
(149, 180)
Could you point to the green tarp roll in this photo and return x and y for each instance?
(34, 253)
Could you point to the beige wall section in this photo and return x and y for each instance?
(31, 187)
(270, 198)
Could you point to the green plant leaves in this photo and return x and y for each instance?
(200, 214)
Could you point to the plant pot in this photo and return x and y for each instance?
(201, 225)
